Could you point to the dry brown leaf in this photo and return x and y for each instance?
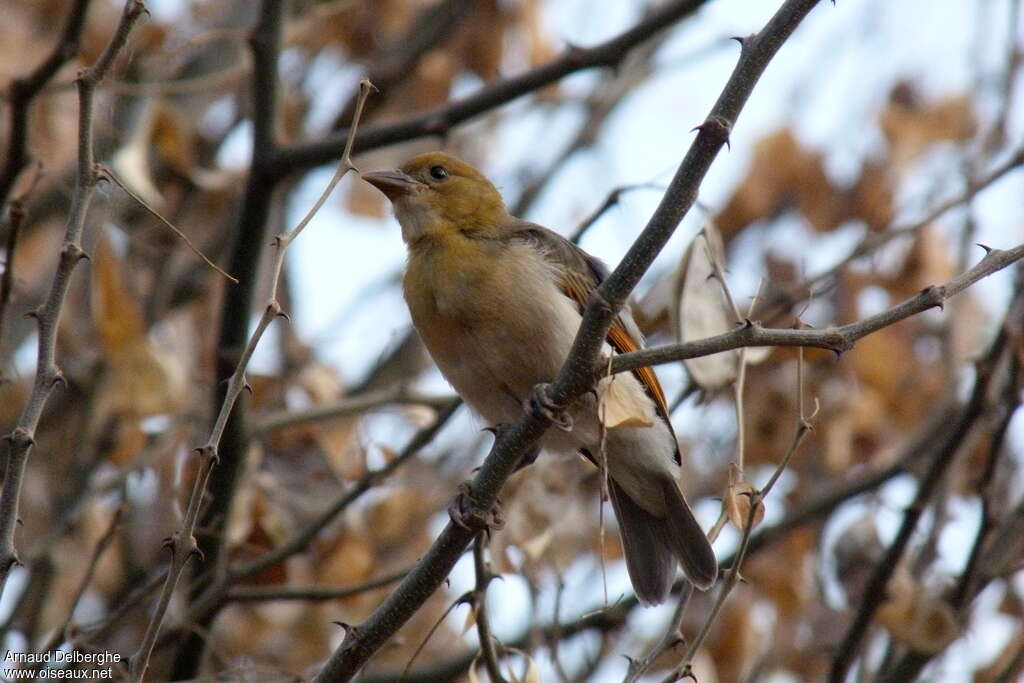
(470, 620)
(349, 562)
(917, 618)
(782, 175)
(786, 576)
(397, 518)
(700, 309)
(621, 407)
(483, 39)
(131, 162)
(1005, 659)
(141, 379)
(911, 125)
(736, 639)
(739, 496)
(535, 547)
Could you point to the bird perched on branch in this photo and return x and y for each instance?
(497, 302)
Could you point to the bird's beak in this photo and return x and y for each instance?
(394, 184)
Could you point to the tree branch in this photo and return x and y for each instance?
(23, 91)
(837, 339)
(47, 316)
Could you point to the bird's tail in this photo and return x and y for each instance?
(652, 545)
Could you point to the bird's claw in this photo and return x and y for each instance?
(540, 404)
(467, 515)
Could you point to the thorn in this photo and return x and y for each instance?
(284, 314)
(247, 387)
(197, 552)
(59, 378)
(988, 249)
(343, 625)
(34, 313)
(208, 451)
(742, 40)
(168, 543)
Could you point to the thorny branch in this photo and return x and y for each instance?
(837, 339)
(47, 316)
(182, 543)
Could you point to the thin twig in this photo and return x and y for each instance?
(478, 598)
(909, 666)
(313, 593)
(350, 405)
(108, 173)
(182, 543)
(615, 616)
(48, 315)
(836, 339)
(612, 199)
(673, 637)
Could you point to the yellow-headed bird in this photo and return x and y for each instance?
(498, 301)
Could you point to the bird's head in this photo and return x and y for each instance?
(435, 195)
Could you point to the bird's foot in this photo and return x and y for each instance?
(541, 405)
(468, 515)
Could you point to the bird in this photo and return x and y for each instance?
(497, 301)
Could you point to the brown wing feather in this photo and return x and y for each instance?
(581, 274)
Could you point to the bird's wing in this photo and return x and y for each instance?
(581, 274)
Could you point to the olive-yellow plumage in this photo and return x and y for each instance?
(497, 302)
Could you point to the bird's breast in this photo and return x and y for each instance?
(493, 319)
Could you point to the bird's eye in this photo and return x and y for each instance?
(438, 172)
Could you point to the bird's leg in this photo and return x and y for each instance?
(541, 405)
(466, 514)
